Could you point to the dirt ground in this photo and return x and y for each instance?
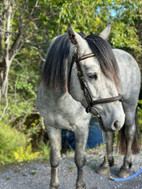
(36, 175)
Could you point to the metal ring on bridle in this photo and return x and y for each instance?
(97, 111)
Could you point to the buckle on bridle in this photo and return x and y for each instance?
(98, 115)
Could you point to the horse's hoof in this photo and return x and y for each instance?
(102, 170)
(54, 187)
(81, 186)
(123, 173)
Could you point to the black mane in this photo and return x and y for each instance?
(57, 65)
(54, 73)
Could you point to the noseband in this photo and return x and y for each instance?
(85, 89)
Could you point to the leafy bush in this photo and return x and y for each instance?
(14, 146)
(44, 151)
(25, 155)
(10, 141)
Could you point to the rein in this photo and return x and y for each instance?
(84, 87)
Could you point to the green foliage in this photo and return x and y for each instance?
(87, 16)
(125, 36)
(44, 151)
(25, 154)
(125, 32)
(92, 16)
(10, 141)
(15, 146)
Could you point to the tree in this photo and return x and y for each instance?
(31, 24)
(17, 20)
(92, 16)
(128, 19)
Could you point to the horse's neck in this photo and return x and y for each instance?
(52, 95)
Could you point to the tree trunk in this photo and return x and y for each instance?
(8, 48)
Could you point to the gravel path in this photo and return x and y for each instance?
(36, 175)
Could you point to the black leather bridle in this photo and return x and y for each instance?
(84, 87)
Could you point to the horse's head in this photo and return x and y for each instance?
(95, 78)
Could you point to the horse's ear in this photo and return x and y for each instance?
(105, 33)
(71, 35)
(74, 37)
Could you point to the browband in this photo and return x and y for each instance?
(86, 56)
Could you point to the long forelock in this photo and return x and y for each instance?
(105, 56)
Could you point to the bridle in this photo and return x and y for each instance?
(90, 101)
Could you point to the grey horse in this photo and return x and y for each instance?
(83, 77)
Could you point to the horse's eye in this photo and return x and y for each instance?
(93, 76)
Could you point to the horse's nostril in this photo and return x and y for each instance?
(115, 126)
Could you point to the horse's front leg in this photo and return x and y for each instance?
(109, 145)
(81, 135)
(55, 157)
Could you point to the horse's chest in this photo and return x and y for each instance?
(62, 112)
(65, 115)
(62, 120)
